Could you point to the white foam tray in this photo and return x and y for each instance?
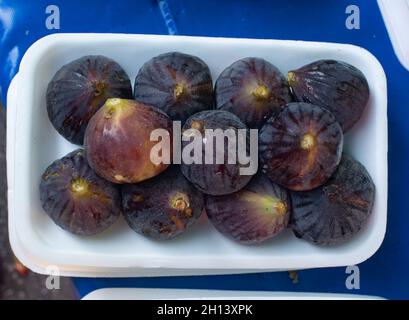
(396, 17)
(32, 144)
(185, 294)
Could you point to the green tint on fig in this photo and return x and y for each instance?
(163, 207)
(118, 142)
(252, 215)
(337, 210)
(334, 85)
(253, 89)
(79, 89)
(301, 147)
(178, 84)
(76, 199)
(214, 179)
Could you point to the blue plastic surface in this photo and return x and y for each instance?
(385, 274)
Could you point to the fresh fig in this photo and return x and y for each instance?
(214, 178)
(301, 147)
(179, 84)
(334, 85)
(118, 141)
(79, 89)
(252, 215)
(162, 207)
(253, 89)
(337, 210)
(76, 199)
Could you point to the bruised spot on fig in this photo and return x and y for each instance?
(119, 178)
(261, 92)
(178, 223)
(335, 192)
(80, 186)
(308, 141)
(48, 175)
(331, 190)
(188, 212)
(108, 114)
(137, 198)
(164, 230)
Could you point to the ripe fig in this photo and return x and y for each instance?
(337, 210)
(216, 177)
(162, 207)
(179, 84)
(79, 89)
(301, 147)
(117, 141)
(252, 215)
(334, 85)
(76, 199)
(253, 89)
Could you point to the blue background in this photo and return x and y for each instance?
(385, 274)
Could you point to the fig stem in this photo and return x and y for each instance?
(291, 77)
(79, 186)
(307, 141)
(180, 202)
(137, 198)
(99, 88)
(261, 92)
(179, 90)
(196, 125)
(111, 105)
(280, 207)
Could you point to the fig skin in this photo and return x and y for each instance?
(162, 207)
(252, 215)
(334, 85)
(179, 84)
(117, 141)
(214, 179)
(79, 89)
(76, 199)
(300, 148)
(336, 211)
(253, 89)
